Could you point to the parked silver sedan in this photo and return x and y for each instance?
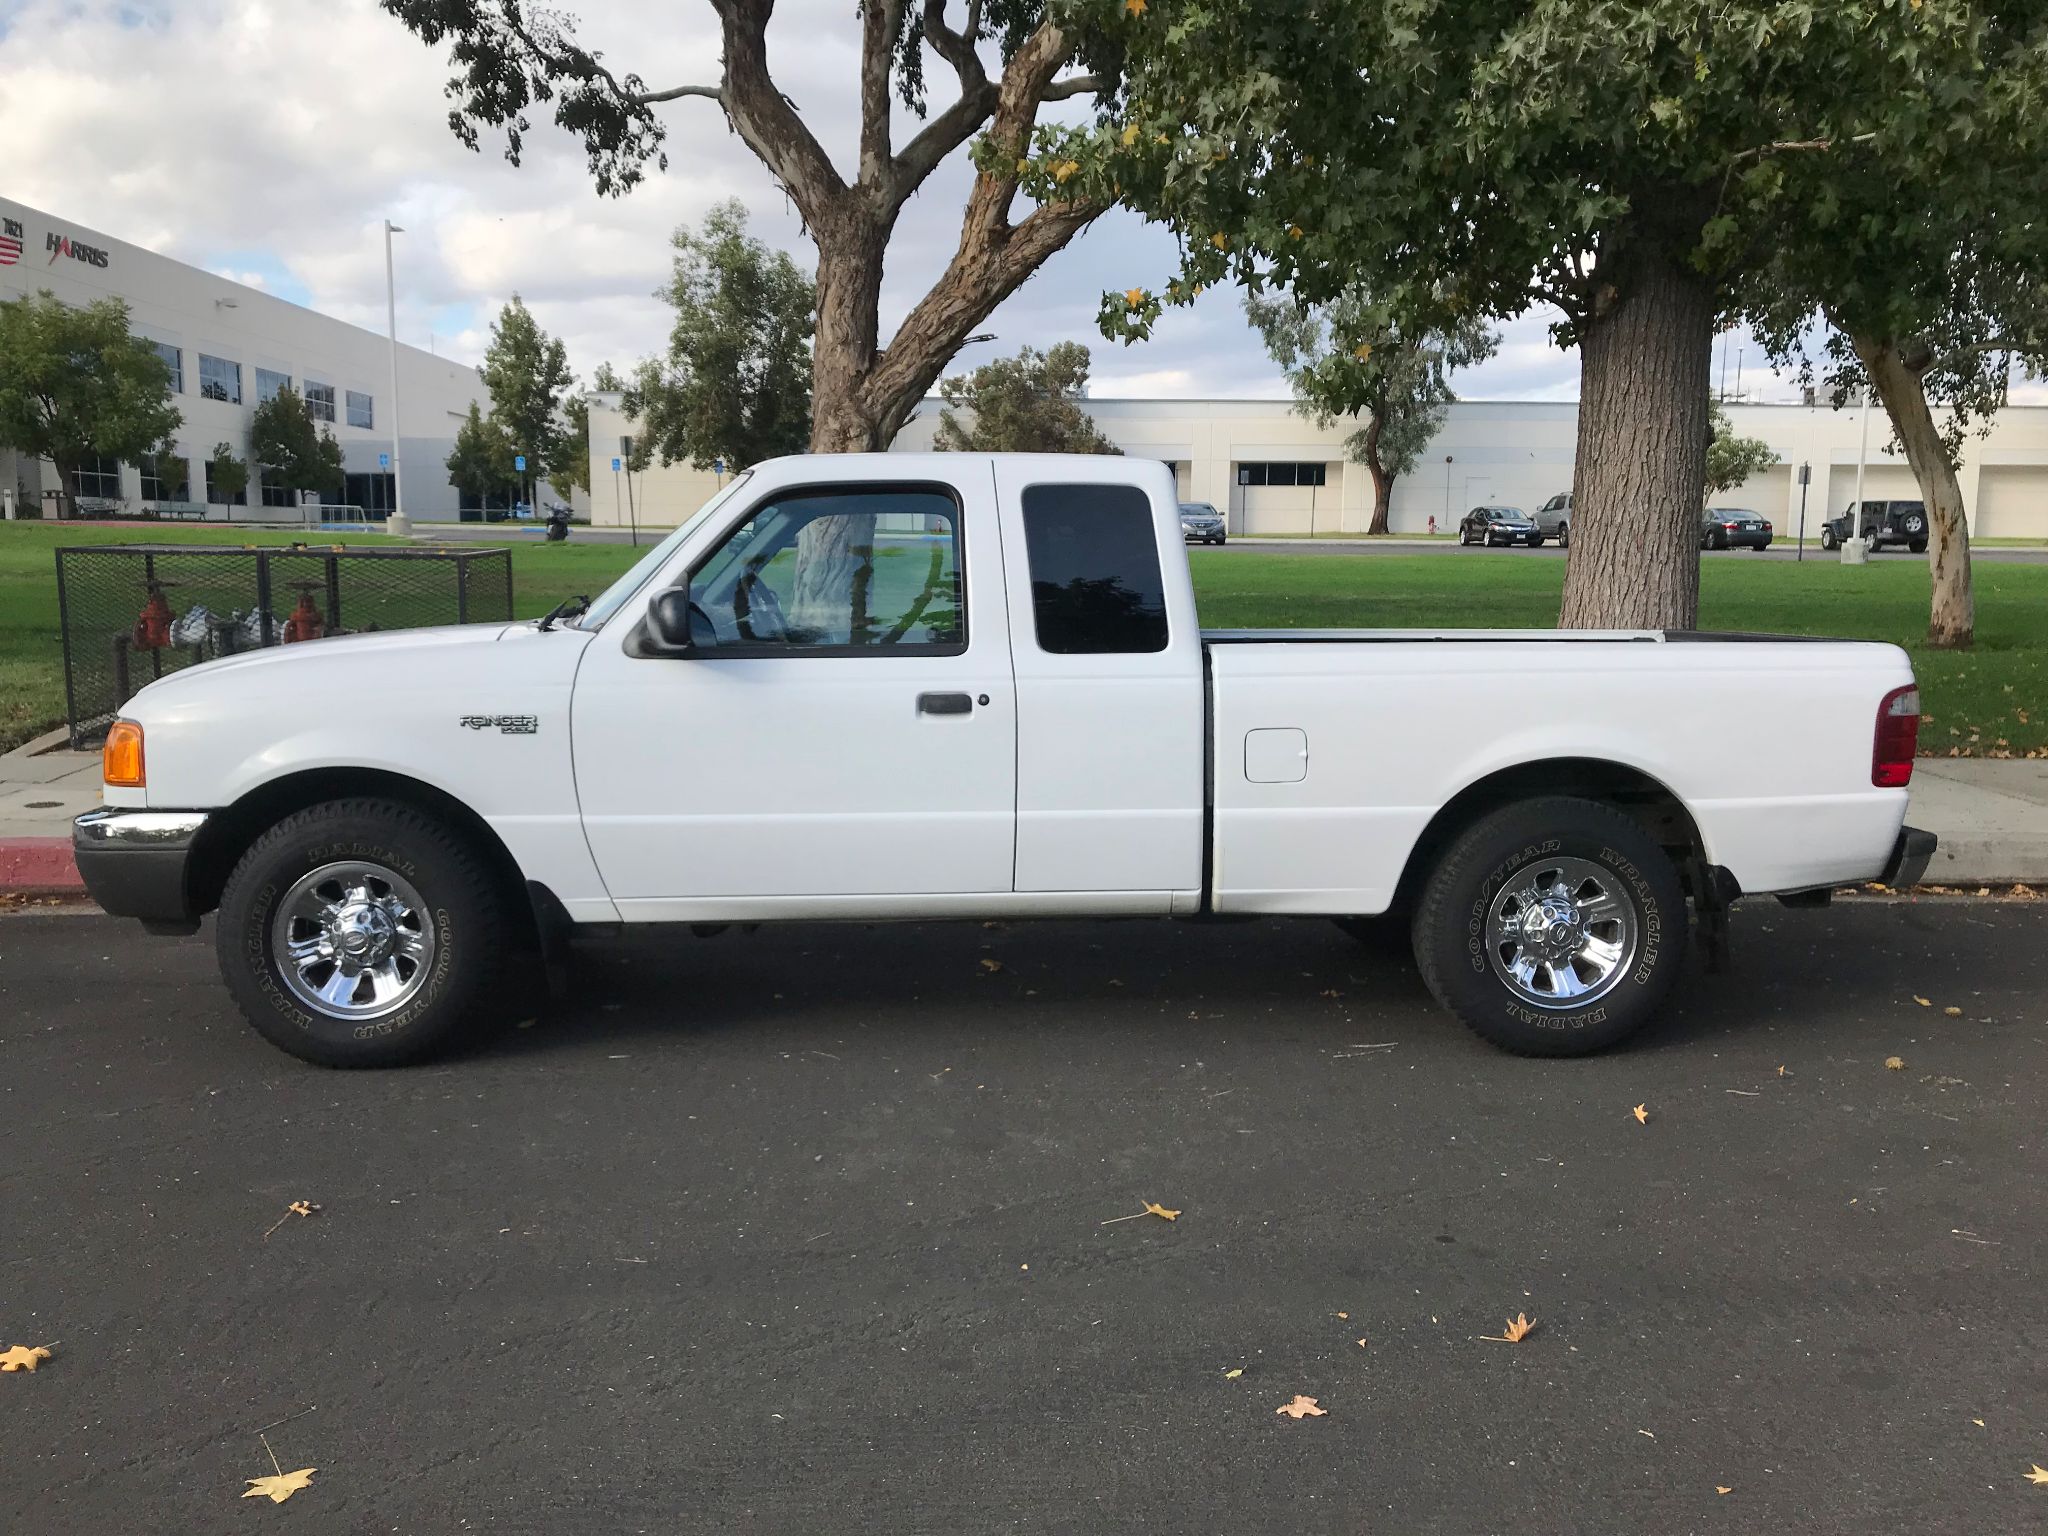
(1201, 523)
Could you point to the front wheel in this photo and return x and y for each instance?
(1919, 547)
(1827, 538)
(1564, 537)
(1552, 927)
(362, 933)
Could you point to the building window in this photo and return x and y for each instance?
(217, 497)
(279, 495)
(1280, 474)
(156, 488)
(270, 385)
(99, 477)
(320, 401)
(361, 409)
(174, 359)
(220, 379)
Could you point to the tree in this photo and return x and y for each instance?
(75, 383)
(1731, 459)
(293, 450)
(1931, 283)
(1030, 403)
(527, 372)
(736, 384)
(1351, 357)
(509, 59)
(226, 476)
(480, 466)
(1631, 165)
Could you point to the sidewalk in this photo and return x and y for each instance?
(1991, 816)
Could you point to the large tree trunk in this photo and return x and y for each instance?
(1646, 353)
(843, 355)
(1952, 617)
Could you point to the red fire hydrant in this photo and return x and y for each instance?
(153, 626)
(304, 621)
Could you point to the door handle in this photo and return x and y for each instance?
(944, 704)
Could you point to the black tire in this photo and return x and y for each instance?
(1918, 548)
(1459, 896)
(1827, 538)
(471, 930)
(1535, 541)
(1564, 536)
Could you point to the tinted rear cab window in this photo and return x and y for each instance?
(1096, 587)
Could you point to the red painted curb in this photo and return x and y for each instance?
(37, 864)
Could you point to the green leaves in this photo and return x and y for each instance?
(291, 448)
(1030, 403)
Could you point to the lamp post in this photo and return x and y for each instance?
(398, 523)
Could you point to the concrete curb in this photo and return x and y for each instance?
(32, 865)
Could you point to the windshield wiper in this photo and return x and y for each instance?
(567, 608)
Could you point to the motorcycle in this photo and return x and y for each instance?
(558, 524)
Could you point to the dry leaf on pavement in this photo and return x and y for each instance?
(1642, 1114)
(296, 1208)
(281, 1487)
(1232, 1375)
(1895, 1063)
(2038, 1475)
(23, 1357)
(1954, 1013)
(1516, 1329)
(1719, 1489)
(1301, 1408)
(1152, 1208)
(988, 964)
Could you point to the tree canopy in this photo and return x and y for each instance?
(480, 463)
(1030, 403)
(1631, 162)
(527, 372)
(735, 384)
(1351, 357)
(1731, 458)
(293, 450)
(74, 382)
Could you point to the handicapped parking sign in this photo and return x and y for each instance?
(519, 462)
(383, 461)
(615, 466)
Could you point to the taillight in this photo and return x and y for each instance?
(1898, 735)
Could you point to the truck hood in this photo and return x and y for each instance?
(393, 652)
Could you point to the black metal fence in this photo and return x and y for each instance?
(134, 612)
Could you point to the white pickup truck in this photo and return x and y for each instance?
(959, 685)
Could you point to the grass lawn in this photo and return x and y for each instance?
(1992, 699)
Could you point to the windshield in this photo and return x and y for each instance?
(1197, 509)
(615, 595)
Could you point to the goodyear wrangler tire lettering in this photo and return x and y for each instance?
(462, 904)
(1631, 890)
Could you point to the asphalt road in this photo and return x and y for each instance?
(804, 1231)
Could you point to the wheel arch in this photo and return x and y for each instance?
(1641, 796)
(229, 832)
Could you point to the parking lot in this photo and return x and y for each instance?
(813, 1229)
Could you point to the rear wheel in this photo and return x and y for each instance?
(362, 933)
(1553, 927)
(1564, 536)
(1918, 546)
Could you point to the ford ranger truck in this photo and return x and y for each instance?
(974, 686)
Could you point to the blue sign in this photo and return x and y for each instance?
(383, 461)
(519, 463)
(615, 466)
(718, 466)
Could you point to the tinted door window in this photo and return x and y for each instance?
(1095, 581)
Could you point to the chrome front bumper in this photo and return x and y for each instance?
(135, 862)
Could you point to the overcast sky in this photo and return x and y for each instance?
(268, 139)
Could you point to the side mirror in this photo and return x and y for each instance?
(668, 619)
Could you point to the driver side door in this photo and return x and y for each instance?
(841, 734)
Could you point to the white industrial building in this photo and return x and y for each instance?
(230, 347)
(1273, 471)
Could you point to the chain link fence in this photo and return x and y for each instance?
(133, 613)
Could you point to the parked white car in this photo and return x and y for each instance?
(959, 685)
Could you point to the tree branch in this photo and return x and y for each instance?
(649, 98)
(1787, 146)
(954, 126)
(1077, 85)
(881, 26)
(764, 119)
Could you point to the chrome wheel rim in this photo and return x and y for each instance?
(353, 940)
(1561, 933)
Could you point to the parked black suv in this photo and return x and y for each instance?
(1884, 523)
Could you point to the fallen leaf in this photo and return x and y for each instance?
(1152, 1209)
(1978, 1422)
(1923, 1002)
(1719, 1489)
(1954, 1013)
(1516, 1329)
(1642, 1114)
(988, 964)
(1781, 1071)
(281, 1487)
(1305, 1408)
(1895, 1063)
(1233, 1375)
(23, 1357)
(1345, 1315)
(2038, 1475)
(296, 1208)
(1363, 1342)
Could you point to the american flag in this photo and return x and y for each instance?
(10, 250)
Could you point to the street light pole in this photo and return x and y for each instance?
(398, 523)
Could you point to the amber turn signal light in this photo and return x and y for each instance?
(121, 758)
